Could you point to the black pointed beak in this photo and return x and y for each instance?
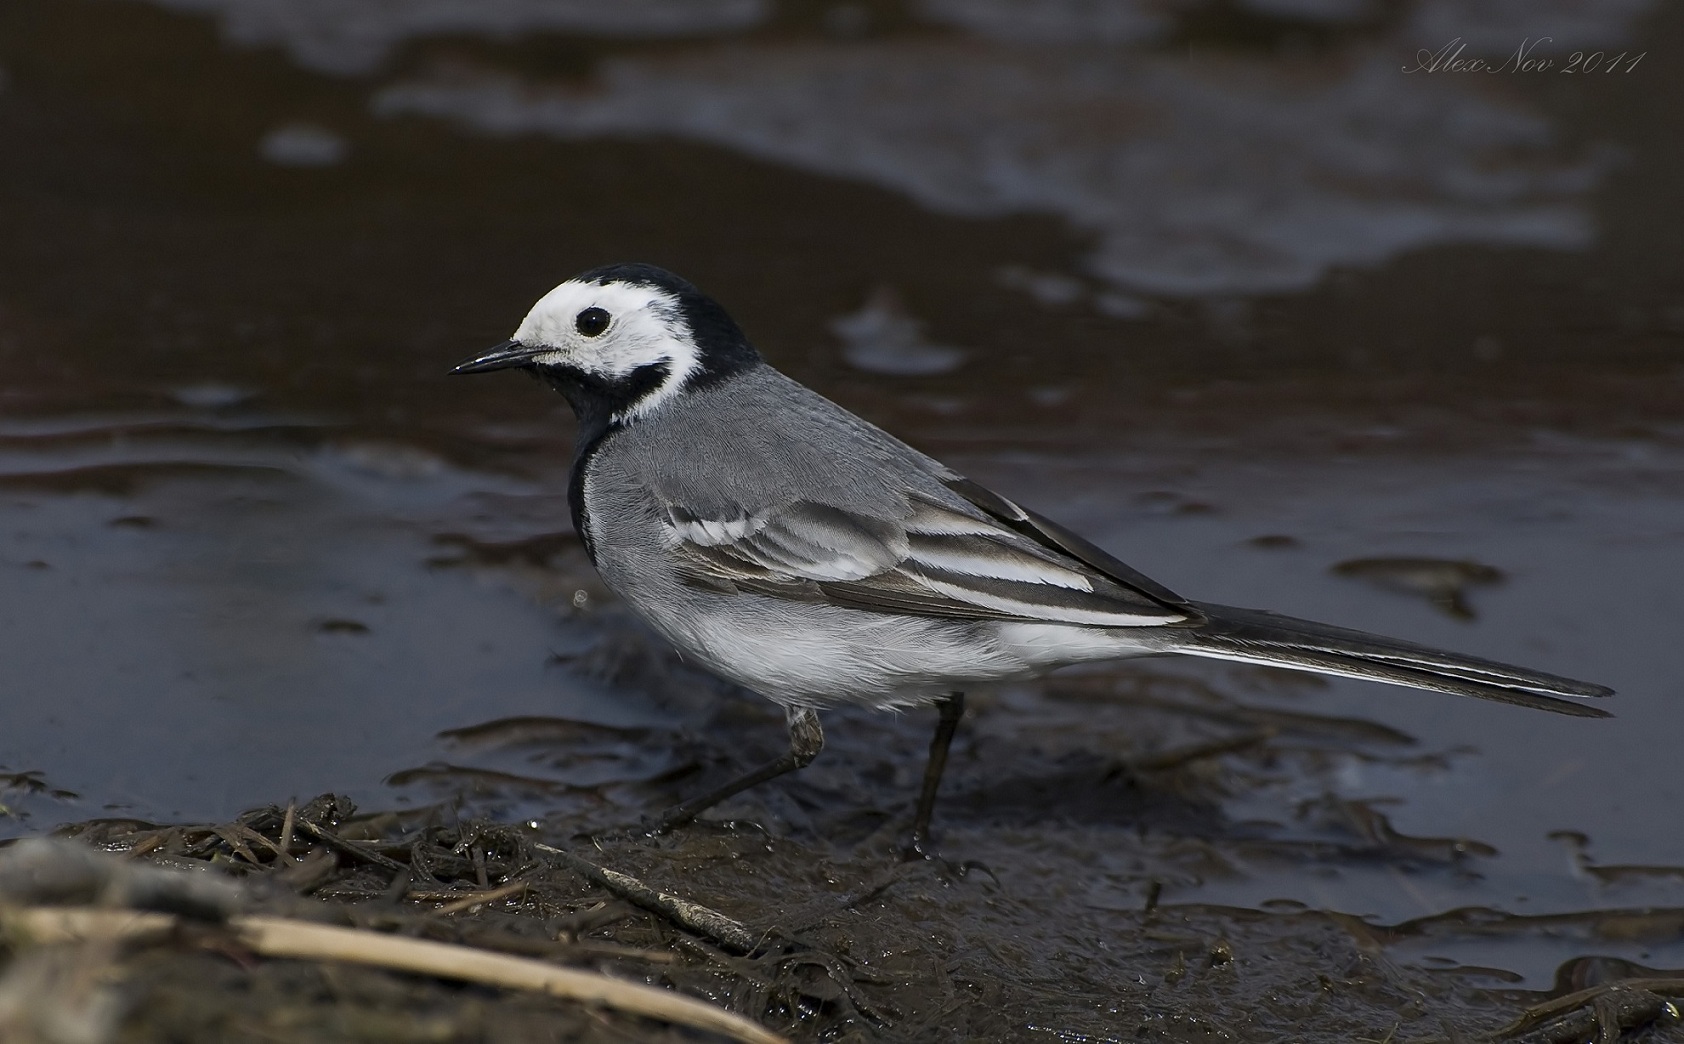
(505, 356)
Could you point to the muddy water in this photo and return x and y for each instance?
(1226, 290)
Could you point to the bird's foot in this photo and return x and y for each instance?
(672, 820)
(919, 848)
(916, 847)
(646, 827)
(665, 823)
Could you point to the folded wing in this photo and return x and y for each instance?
(947, 558)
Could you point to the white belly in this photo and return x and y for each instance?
(818, 655)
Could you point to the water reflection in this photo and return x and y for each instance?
(197, 610)
(347, 38)
(1224, 173)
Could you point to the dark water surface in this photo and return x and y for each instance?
(1217, 285)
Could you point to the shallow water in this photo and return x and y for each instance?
(1255, 305)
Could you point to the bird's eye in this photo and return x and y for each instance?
(591, 321)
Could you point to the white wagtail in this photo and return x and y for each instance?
(791, 547)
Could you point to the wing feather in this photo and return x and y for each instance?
(1050, 534)
(941, 559)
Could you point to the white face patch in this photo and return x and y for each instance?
(645, 328)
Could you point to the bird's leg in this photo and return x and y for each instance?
(952, 708)
(806, 739)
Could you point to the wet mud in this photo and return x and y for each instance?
(1215, 284)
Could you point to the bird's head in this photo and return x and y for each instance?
(623, 340)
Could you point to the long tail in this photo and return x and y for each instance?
(1255, 636)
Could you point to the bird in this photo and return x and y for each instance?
(794, 548)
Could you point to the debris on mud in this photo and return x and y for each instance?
(792, 938)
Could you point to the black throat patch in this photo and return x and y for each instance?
(597, 402)
(602, 403)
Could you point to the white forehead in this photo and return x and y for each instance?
(631, 307)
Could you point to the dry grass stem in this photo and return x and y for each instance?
(287, 825)
(468, 902)
(280, 937)
(351, 848)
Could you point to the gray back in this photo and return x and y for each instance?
(759, 441)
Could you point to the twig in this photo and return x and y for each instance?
(237, 844)
(147, 845)
(577, 923)
(478, 853)
(350, 848)
(468, 902)
(287, 823)
(252, 835)
(307, 874)
(301, 940)
(1568, 1004)
(631, 953)
(710, 924)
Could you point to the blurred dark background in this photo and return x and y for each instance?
(1129, 197)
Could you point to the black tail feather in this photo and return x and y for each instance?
(1255, 636)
